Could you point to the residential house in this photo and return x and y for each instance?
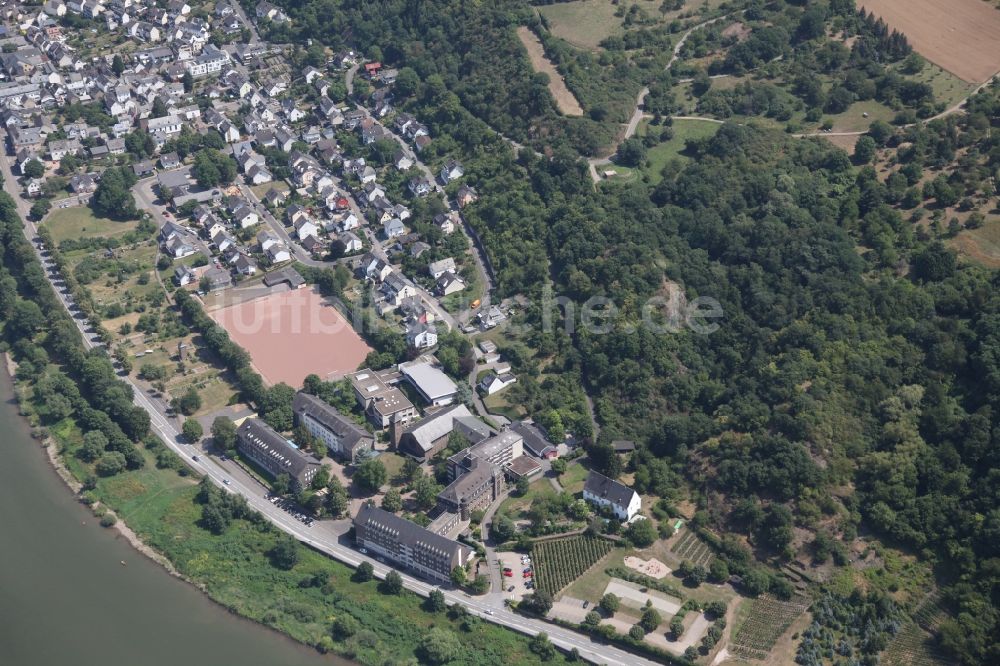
(465, 196)
(447, 222)
(452, 170)
(394, 228)
(624, 502)
(439, 268)
(421, 336)
(245, 216)
(494, 382)
(419, 187)
(449, 284)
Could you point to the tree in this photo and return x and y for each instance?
(439, 646)
(407, 82)
(637, 633)
(631, 153)
(113, 196)
(188, 81)
(676, 627)
(458, 576)
(521, 486)
(365, 572)
(392, 501)
(864, 150)
(539, 603)
(40, 209)
(110, 464)
(650, 619)
(425, 493)
(502, 529)
(281, 485)
(285, 553)
(189, 402)
(159, 109)
(192, 430)
(94, 443)
(370, 475)
(33, 169)
(697, 576)
(480, 584)
(609, 603)
(224, 433)
(641, 533)
(336, 498)
(542, 646)
(393, 583)
(117, 64)
(718, 570)
(558, 466)
(592, 619)
(435, 601)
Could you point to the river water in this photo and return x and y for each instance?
(65, 598)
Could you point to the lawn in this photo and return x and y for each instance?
(513, 506)
(658, 156)
(586, 23)
(80, 222)
(981, 245)
(498, 404)
(572, 481)
(393, 464)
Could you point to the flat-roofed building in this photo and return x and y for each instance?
(431, 383)
(263, 445)
(343, 438)
(408, 545)
(383, 403)
(478, 473)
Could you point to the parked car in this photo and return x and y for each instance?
(509, 574)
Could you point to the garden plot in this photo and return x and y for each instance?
(561, 561)
(767, 621)
(689, 547)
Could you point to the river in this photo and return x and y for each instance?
(65, 598)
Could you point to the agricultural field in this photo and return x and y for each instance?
(913, 646)
(767, 620)
(931, 26)
(565, 100)
(689, 547)
(560, 561)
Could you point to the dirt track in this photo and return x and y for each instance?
(961, 36)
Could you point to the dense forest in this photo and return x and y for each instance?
(853, 384)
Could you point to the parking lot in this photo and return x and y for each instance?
(517, 580)
(292, 509)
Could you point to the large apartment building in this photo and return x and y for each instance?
(263, 445)
(408, 545)
(342, 437)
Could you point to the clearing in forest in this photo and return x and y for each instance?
(565, 100)
(959, 35)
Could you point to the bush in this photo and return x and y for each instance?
(108, 520)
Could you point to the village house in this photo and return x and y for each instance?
(624, 502)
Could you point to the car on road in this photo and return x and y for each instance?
(363, 551)
(489, 611)
(195, 458)
(226, 481)
(510, 589)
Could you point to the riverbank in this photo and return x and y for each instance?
(317, 602)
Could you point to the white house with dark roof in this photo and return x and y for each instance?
(341, 436)
(605, 492)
